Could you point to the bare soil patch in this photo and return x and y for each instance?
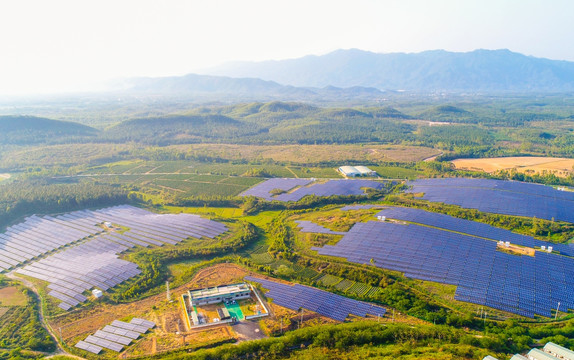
(11, 296)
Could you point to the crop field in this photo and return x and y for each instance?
(530, 165)
(394, 172)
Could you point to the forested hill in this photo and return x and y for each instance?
(32, 130)
(271, 123)
(191, 128)
(479, 70)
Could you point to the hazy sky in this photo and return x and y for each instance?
(56, 45)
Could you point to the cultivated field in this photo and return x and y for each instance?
(559, 166)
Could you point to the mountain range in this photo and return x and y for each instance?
(437, 70)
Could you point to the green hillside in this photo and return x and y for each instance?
(33, 130)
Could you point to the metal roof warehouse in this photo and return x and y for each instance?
(220, 293)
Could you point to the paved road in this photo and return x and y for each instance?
(249, 330)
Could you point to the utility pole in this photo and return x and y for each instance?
(557, 310)
(281, 325)
(167, 293)
(301, 322)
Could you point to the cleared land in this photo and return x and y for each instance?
(11, 296)
(559, 166)
(303, 154)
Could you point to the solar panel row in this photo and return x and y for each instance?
(80, 268)
(469, 227)
(329, 188)
(35, 237)
(94, 349)
(95, 263)
(501, 197)
(114, 337)
(523, 285)
(324, 303)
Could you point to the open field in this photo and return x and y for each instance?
(304, 154)
(5, 176)
(559, 166)
(11, 296)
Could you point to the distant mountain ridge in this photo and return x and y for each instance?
(436, 70)
(247, 89)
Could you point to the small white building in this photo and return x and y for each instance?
(97, 293)
(365, 171)
(354, 171)
(349, 171)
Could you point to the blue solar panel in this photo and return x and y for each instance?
(497, 196)
(469, 227)
(322, 302)
(523, 285)
(329, 188)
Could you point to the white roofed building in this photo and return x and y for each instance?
(349, 171)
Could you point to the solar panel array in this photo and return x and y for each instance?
(75, 270)
(523, 285)
(37, 236)
(470, 227)
(95, 263)
(115, 336)
(324, 303)
(498, 196)
(329, 188)
(310, 227)
(263, 190)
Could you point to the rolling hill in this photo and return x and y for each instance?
(437, 70)
(32, 130)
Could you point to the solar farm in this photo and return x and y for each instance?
(296, 189)
(433, 248)
(115, 336)
(324, 303)
(498, 196)
(74, 252)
